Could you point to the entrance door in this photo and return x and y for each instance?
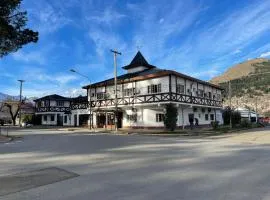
(101, 120)
(191, 118)
(119, 119)
(59, 120)
(75, 120)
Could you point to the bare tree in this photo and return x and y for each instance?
(13, 108)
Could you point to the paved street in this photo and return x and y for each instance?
(137, 167)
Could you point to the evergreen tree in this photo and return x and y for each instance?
(170, 118)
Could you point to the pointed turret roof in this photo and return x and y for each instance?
(137, 61)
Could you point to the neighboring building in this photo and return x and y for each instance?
(143, 92)
(247, 114)
(53, 110)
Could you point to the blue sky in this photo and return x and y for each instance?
(201, 38)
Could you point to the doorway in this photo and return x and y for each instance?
(59, 120)
(75, 120)
(119, 119)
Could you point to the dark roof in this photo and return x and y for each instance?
(137, 61)
(53, 97)
(80, 99)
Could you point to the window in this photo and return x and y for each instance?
(218, 96)
(100, 95)
(45, 118)
(47, 103)
(203, 110)
(206, 117)
(209, 95)
(129, 92)
(159, 117)
(180, 88)
(39, 104)
(211, 117)
(132, 118)
(92, 94)
(154, 89)
(195, 109)
(65, 119)
(59, 103)
(200, 93)
(52, 118)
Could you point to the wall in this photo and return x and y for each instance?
(49, 122)
(146, 116)
(137, 69)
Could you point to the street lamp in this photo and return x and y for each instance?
(90, 105)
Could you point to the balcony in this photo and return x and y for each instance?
(53, 109)
(157, 98)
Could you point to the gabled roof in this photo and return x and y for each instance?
(137, 61)
(80, 99)
(53, 97)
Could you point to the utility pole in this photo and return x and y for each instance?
(230, 100)
(115, 53)
(256, 104)
(20, 113)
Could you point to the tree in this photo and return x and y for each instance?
(235, 116)
(13, 108)
(170, 117)
(13, 34)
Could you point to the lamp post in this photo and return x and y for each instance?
(20, 113)
(90, 105)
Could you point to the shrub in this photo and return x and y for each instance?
(170, 117)
(27, 118)
(245, 123)
(215, 124)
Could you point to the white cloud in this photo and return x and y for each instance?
(48, 17)
(266, 54)
(34, 56)
(107, 17)
(237, 51)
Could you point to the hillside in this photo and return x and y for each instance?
(240, 70)
(250, 83)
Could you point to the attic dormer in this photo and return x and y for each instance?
(138, 64)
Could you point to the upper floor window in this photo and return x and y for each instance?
(154, 88)
(39, 104)
(47, 103)
(129, 92)
(200, 93)
(101, 95)
(180, 88)
(59, 103)
(209, 95)
(218, 96)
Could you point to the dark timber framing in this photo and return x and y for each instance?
(156, 98)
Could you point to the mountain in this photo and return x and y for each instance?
(6, 96)
(241, 70)
(250, 85)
